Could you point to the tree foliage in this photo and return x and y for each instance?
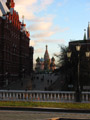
(62, 56)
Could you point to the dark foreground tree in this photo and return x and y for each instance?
(65, 68)
(69, 68)
(62, 56)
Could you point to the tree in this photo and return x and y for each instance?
(69, 68)
(62, 56)
(65, 67)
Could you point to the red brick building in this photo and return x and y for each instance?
(14, 45)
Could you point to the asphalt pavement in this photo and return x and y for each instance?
(35, 115)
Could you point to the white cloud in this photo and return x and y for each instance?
(26, 3)
(23, 11)
(50, 41)
(40, 26)
(32, 43)
(45, 3)
(42, 34)
(48, 32)
(62, 3)
(46, 18)
(39, 50)
(30, 7)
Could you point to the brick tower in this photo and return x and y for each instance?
(10, 4)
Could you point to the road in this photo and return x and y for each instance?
(29, 115)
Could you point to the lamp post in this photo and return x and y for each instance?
(78, 87)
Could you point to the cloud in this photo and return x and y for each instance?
(59, 29)
(26, 3)
(25, 8)
(28, 15)
(39, 50)
(46, 18)
(30, 7)
(42, 6)
(49, 32)
(50, 41)
(46, 41)
(32, 43)
(62, 3)
(45, 3)
(42, 34)
(40, 26)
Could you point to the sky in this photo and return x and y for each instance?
(53, 22)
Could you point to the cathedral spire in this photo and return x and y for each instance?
(88, 31)
(10, 4)
(46, 55)
(46, 47)
(46, 59)
(85, 34)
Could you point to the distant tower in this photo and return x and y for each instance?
(10, 4)
(46, 55)
(46, 59)
(23, 26)
(88, 31)
(85, 34)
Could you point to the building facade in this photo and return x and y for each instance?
(84, 62)
(14, 45)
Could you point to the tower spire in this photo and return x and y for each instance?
(10, 4)
(46, 59)
(46, 47)
(46, 55)
(88, 31)
(23, 19)
(85, 34)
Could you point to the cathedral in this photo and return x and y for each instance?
(45, 64)
(16, 56)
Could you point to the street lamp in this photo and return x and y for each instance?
(78, 47)
(78, 88)
(87, 53)
(69, 53)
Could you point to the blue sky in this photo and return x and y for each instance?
(54, 22)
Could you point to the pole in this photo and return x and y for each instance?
(78, 90)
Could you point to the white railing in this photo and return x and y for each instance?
(41, 96)
(85, 96)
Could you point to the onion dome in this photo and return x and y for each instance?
(38, 60)
(42, 60)
(53, 59)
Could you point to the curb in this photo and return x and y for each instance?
(45, 109)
